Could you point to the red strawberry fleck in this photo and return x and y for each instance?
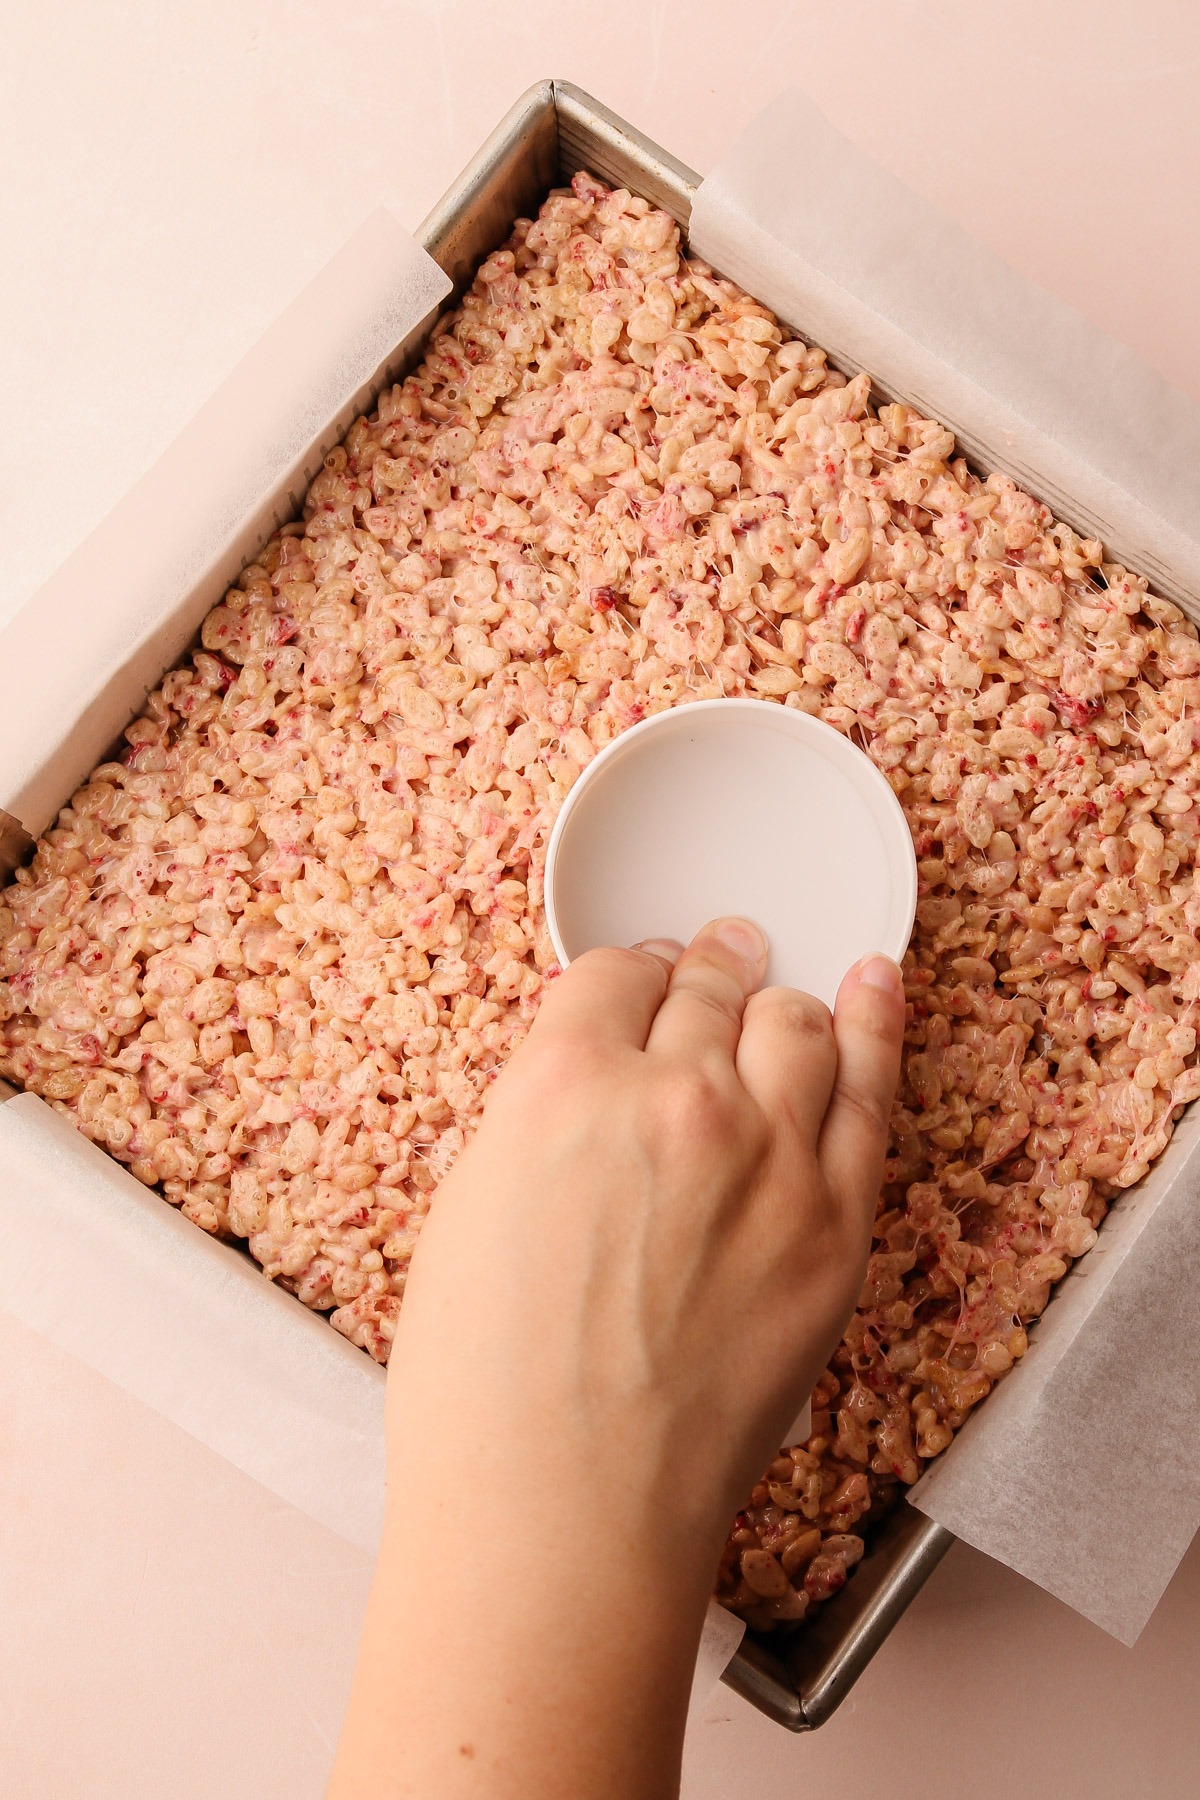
(1073, 711)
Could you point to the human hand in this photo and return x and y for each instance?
(623, 1294)
(661, 1227)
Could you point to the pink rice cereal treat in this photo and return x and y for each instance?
(272, 956)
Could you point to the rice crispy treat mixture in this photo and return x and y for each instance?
(272, 956)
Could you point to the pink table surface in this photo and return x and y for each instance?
(173, 174)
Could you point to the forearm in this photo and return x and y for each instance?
(524, 1647)
(542, 1580)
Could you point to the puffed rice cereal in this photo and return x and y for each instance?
(271, 956)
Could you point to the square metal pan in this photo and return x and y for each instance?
(552, 131)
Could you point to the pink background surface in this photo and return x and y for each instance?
(174, 173)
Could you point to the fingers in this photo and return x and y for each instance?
(608, 996)
(868, 1025)
(787, 1058)
(702, 1013)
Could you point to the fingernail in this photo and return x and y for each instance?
(667, 948)
(743, 938)
(881, 972)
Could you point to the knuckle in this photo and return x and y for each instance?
(691, 1104)
(863, 1102)
(714, 987)
(880, 1017)
(801, 1016)
(725, 1004)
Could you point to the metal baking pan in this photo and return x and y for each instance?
(552, 131)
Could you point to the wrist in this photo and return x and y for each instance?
(547, 1630)
(558, 1520)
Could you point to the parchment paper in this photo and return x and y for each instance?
(1082, 1469)
(78, 659)
(112, 1274)
(883, 281)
